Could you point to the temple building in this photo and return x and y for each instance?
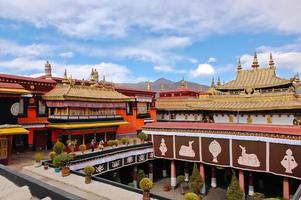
(248, 126)
(256, 96)
(50, 108)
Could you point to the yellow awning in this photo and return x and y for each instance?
(14, 91)
(85, 125)
(13, 131)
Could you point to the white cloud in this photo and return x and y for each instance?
(113, 72)
(67, 54)
(285, 60)
(193, 60)
(211, 60)
(167, 68)
(11, 48)
(204, 69)
(192, 17)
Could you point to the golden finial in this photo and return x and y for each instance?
(255, 64)
(65, 80)
(212, 82)
(271, 62)
(184, 83)
(297, 79)
(161, 86)
(148, 86)
(219, 81)
(239, 68)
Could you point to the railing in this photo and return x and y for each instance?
(79, 117)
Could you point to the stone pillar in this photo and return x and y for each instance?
(186, 172)
(286, 192)
(251, 184)
(202, 173)
(164, 171)
(173, 178)
(151, 171)
(242, 180)
(135, 176)
(213, 177)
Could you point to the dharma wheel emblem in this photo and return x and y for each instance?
(289, 162)
(215, 149)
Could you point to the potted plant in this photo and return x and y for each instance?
(45, 166)
(65, 160)
(142, 136)
(111, 143)
(56, 162)
(82, 148)
(58, 147)
(89, 170)
(125, 141)
(146, 185)
(38, 157)
(116, 142)
(166, 187)
(51, 155)
(71, 144)
(191, 196)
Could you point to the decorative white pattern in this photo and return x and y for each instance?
(187, 151)
(224, 136)
(163, 147)
(289, 162)
(250, 160)
(215, 149)
(110, 158)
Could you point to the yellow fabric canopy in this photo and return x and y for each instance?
(14, 91)
(85, 125)
(13, 131)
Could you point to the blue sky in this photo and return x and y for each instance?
(140, 40)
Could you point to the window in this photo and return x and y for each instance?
(173, 116)
(3, 148)
(142, 108)
(129, 108)
(42, 107)
(21, 107)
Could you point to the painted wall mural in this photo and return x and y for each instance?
(276, 158)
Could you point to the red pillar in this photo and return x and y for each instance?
(213, 178)
(286, 192)
(202, 173)
(173, 179)
(53, 136)
(242, 180)
(30, 137)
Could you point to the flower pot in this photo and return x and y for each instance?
(45, 166)
(166, 188)
(146, 195)
(65, 171)
(57, 169)
(88, 179)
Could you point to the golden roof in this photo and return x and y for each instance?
(254, 78)
(12, 130)
(85, 125)
(272, 101)
(85, 93)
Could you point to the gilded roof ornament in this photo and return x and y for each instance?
(219, 81)
(239, 68)
(148, 86)
(255, 64)
(65, 80)
(271, 62)
(212, 82)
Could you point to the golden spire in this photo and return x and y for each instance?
(255, 64)
(297, 79)
(239, 68)
(161, 86)
(212, 82)
(148, 86)
(92, 77)
(219, 81)
(271, 62)
(65, 80)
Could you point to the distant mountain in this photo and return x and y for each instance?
(167, 85)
